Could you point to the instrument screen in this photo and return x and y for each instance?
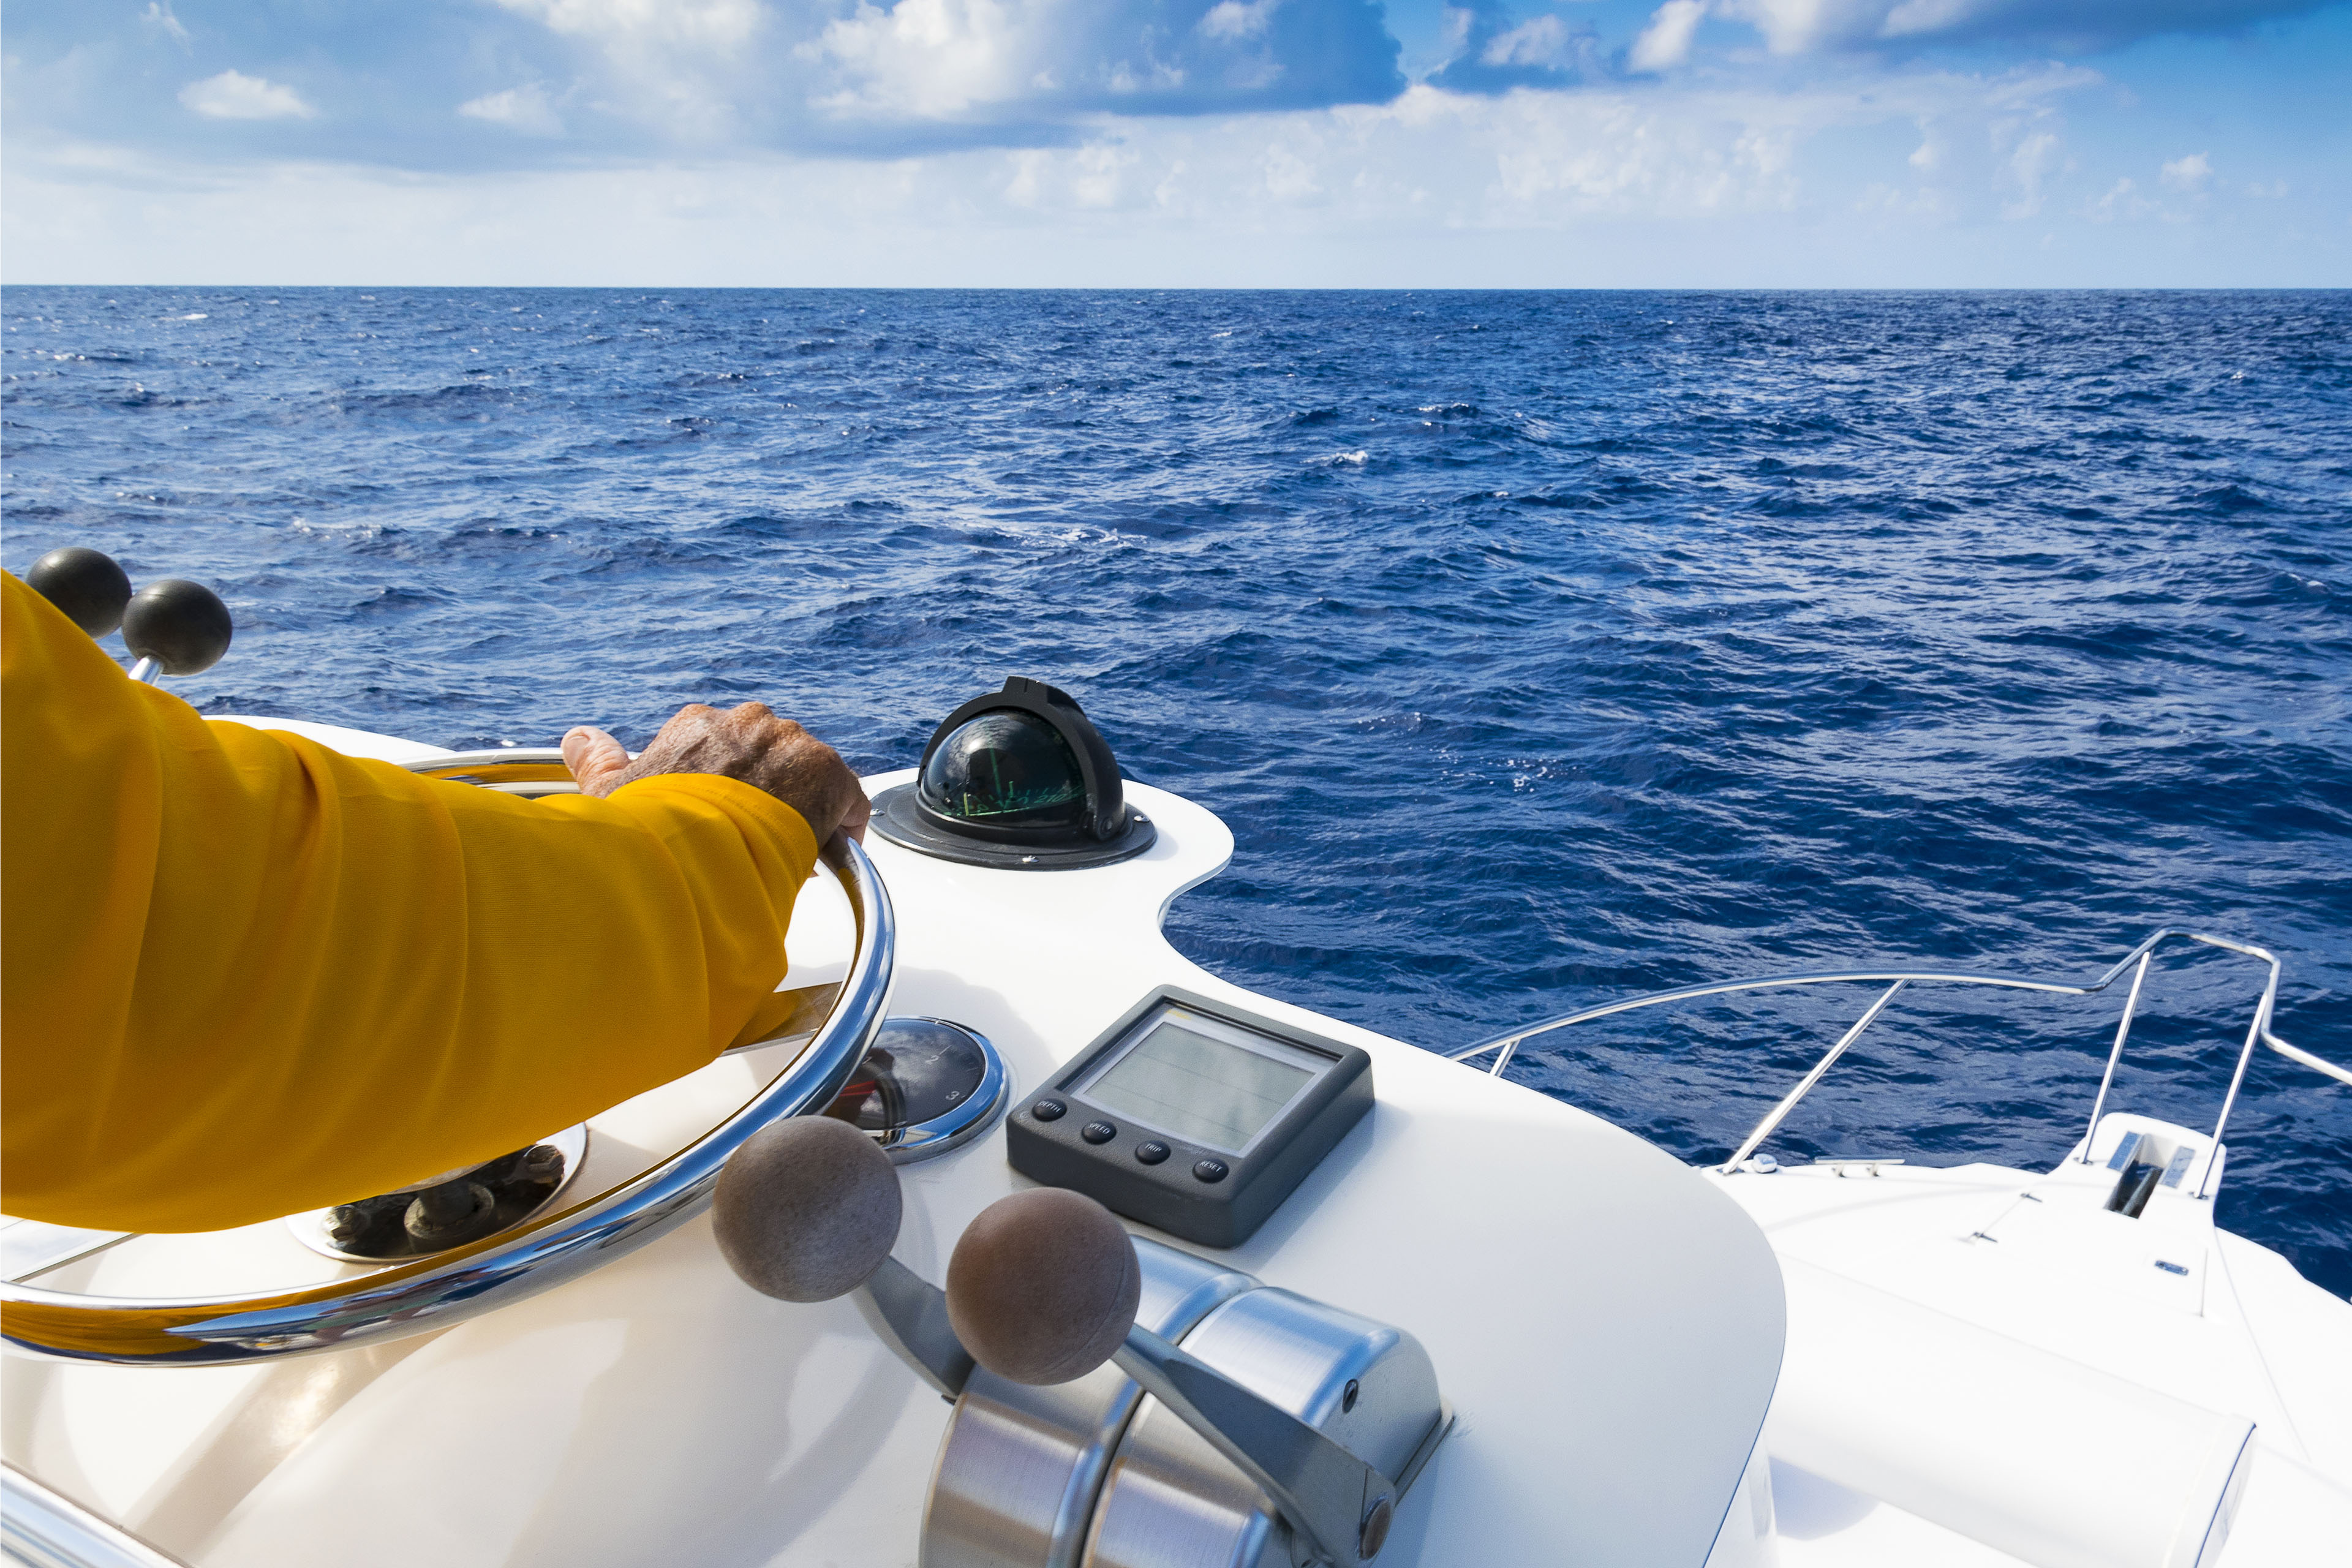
(1192, 1116)
(1219, 1090)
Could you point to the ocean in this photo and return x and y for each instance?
(1538, 649)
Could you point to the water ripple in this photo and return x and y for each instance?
(1538, 648)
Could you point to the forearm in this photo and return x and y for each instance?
(255, 976)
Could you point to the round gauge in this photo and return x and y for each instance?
(1005, 769)
(1019, 779)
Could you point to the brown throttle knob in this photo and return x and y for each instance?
(1044, 1286)
(807, 1209)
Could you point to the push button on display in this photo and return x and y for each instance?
(1190, 1118)
(1048, 1110)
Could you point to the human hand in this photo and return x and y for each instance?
(747, 743)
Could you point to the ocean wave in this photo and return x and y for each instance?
(1809, 627)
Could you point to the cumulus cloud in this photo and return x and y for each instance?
(1665, 42)
(1494, 52)
(681, 68)
(1804, 26)
(2122, 203)
(905, 76)
(1232, 20)
(461, 85)
(1009, 61)
(667, 24)
(2189, 173)
(158, 18)
(1613, 152)
(1705, 179)
(2034, 155)
(233, 95)
(525, 108)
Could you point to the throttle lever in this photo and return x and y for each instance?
(1043, 1288)
(1342, 1506)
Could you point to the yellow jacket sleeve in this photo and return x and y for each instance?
(242, 975)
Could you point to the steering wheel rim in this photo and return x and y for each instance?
(445, 1288)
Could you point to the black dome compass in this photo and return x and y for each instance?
(1021, 780)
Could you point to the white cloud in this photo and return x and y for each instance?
(1541, 42)
(1804, 26)
(681, 66)
(1914, 18)
(936, 59)
(701, 24)
(1289, 178)
(2034, 158)
(1232, 20)
(2189, 173)
(233, 95)
(524, 108)
(1680, 183)
(1704, 167)
(1798, 27)
(1100, 167)
(1665, 42)
(158, 16)
(2123, 201)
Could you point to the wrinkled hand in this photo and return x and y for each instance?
(747, 743)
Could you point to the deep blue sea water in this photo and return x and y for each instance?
(1538, 648)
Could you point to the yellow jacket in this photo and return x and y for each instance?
(242, 975)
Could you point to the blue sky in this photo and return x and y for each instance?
(1167, 142)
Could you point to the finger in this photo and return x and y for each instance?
(595, 759)
(860, 812)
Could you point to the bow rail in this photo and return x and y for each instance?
(2258, 1031)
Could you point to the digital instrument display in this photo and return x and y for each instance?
(1191, 1116)
(1212, 1091)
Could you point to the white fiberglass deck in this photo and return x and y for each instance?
(1981, 1357)
(1606, 1323)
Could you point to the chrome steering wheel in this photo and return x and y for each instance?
(425, 1294)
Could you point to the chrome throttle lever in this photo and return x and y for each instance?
(1339, 1505)
(1043, 1288)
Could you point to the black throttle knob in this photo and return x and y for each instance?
(182, 625)
(87, 584)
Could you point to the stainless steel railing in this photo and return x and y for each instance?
(2258, 1031)
(42, 1528)
(446, 1288)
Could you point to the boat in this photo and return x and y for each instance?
(1382, 1303)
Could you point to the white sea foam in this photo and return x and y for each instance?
(196, 316)
(1352, 460)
